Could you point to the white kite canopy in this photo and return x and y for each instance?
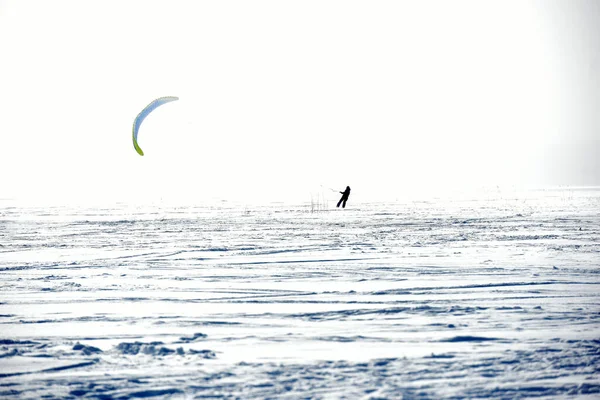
(143, 114)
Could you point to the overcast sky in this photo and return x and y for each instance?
(280, 99)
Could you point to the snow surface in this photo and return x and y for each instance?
(490, 297)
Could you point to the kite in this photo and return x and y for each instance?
(143, 114)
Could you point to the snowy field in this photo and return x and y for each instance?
(490, 297)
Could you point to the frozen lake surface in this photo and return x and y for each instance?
(490, 297)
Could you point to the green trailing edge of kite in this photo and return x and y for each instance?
(143, 114)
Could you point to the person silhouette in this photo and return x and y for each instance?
(344, 199)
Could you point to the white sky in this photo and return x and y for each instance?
(280, 97)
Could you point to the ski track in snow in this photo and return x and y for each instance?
(482, 298)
